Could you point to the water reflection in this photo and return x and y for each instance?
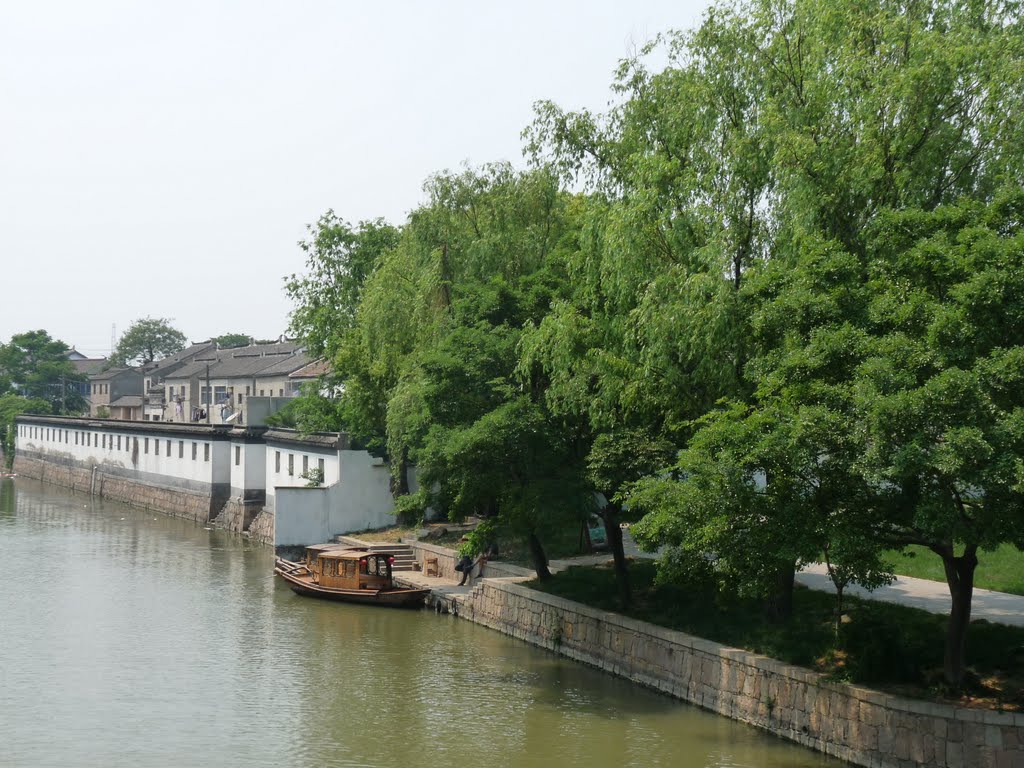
(134, 639)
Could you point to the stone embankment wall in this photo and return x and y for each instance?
(262, 528)
(172, 501)
(862, 726)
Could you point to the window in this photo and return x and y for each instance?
(103, 439)
(195, 451)
(305, 464)
(206, 451)
(145, 448)
(239, 398)
(119, 442)
(280, 393)
(291, 464)
(181, 449)
(261, 393)
(277, 462)
(320, 469)
(168, 447)
(238, 455)
(246, 390)
(220, 395)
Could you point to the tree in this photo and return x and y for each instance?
(10, 407)
(617, 460)
(147, 340)
(232, 340)
(339, 259)
(743, 222)
(36, 366)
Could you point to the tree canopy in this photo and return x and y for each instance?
(778, 319)
(37, 367)
(148, 340)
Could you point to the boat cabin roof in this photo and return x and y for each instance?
(349, 554)
(327, 547)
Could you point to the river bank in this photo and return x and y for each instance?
(856, 724)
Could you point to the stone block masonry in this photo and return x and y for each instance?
(199, 507)
(862, 726)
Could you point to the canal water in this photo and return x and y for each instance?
(128, 638)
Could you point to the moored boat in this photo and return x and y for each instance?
(347, 574)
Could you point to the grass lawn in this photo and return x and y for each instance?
(891, 647)
(1001, 570)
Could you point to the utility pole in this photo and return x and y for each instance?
(209, 394)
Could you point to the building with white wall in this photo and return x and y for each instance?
(307, 489)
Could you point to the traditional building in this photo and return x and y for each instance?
(118, 392)
(215, 387)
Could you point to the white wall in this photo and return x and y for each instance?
(356, 494)
(280, 477)
(136, 450)
(249, 474)
(361, 499)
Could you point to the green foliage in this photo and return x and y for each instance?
(314, 477)
(232, 340)
(36, 366)
(880, 643)
(10, 406)
(339, 260)
(782, 319)
(310, 412)
(410, 508)
(1001, 569)
(147, 340)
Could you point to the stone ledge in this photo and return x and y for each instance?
(853, 723)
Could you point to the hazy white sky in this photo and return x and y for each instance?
(163, 159)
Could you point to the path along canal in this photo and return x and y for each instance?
(128, 638)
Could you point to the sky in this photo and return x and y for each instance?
(164, 159)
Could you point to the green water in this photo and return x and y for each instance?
(132, 639)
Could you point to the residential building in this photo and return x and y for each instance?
(119, 391)
(157, 405)
(216, 385)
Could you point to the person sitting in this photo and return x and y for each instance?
(466, 566)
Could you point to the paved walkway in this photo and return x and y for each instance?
(932, 596)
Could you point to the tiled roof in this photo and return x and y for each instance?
(244, 362)
(113, 373)
(314, 370)
(128, 401)
(184, 355)
(89, 366)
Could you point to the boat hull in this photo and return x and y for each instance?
(301, 582)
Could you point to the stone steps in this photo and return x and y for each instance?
(403, 554)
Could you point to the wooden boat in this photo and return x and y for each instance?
(348, 574)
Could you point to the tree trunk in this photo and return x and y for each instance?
(400, 484)
(780, 604)
(613, 531)
(960, 579)
(540, 559)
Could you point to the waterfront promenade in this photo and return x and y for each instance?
(931, 596)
